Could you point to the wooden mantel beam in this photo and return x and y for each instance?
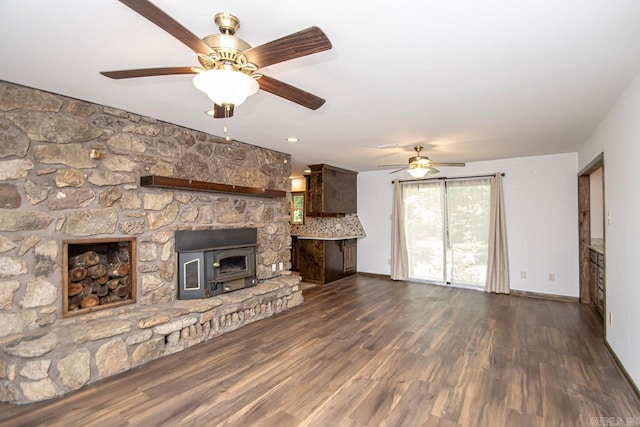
(189, 184)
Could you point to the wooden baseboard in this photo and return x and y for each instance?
(564, 298)
(381, 276)
(513, 291)
(622, 370)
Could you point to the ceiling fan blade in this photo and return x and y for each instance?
(147, 72)
(397, 170)
(447, 164)
(392, 166)
(289, 92)
(432, 170)
(296, 45)
(156, 15)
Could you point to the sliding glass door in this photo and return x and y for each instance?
(447, 230)
(424, 229)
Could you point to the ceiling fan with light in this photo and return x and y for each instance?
(420, 165)
(228, 71)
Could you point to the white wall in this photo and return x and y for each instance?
(541, 203)
(618, 136)
(375, 197)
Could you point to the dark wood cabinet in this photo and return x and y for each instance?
(295, 254)
(331, 191)
(596, 277)
(350, 255)
(311, 262)
(323, 261)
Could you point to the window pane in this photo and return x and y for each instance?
(423, 229)
(298, 201)
(297, 208)
(298, 216)
(468, 204)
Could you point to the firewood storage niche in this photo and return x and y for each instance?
(98, 274)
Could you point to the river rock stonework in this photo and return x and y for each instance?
(52, 188)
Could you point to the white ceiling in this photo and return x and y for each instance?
(470, 80)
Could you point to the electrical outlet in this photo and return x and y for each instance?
(552, 277)
(273, 267)
(523, 274)
(281, 266)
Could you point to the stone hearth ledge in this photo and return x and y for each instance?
(85, 349)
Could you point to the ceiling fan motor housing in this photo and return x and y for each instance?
(227, 47)
(227, 54)
(418, 161)
(226, 42)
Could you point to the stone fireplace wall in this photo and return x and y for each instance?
(53, 187)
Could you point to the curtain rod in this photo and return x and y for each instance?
(444, 177)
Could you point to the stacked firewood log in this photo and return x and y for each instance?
(99, 278)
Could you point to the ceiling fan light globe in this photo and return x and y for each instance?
(224, 86)
(417, 172)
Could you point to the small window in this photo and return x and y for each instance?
(297, 208)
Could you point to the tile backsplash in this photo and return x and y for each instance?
(347, 226)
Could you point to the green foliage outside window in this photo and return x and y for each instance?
(297, 209)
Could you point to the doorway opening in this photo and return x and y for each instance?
(591, 229)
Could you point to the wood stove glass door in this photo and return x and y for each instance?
(191, 281)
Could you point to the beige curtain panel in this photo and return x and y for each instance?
(498, 259)
(399, 257)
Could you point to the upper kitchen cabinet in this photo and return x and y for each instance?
(332, 191)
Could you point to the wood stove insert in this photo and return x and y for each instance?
(212, 262)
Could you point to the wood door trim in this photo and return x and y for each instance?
(584, 225)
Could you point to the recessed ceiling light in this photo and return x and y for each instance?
(292, 139)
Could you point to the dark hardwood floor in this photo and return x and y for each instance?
(366, 351)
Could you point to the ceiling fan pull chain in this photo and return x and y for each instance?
(226, 133)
